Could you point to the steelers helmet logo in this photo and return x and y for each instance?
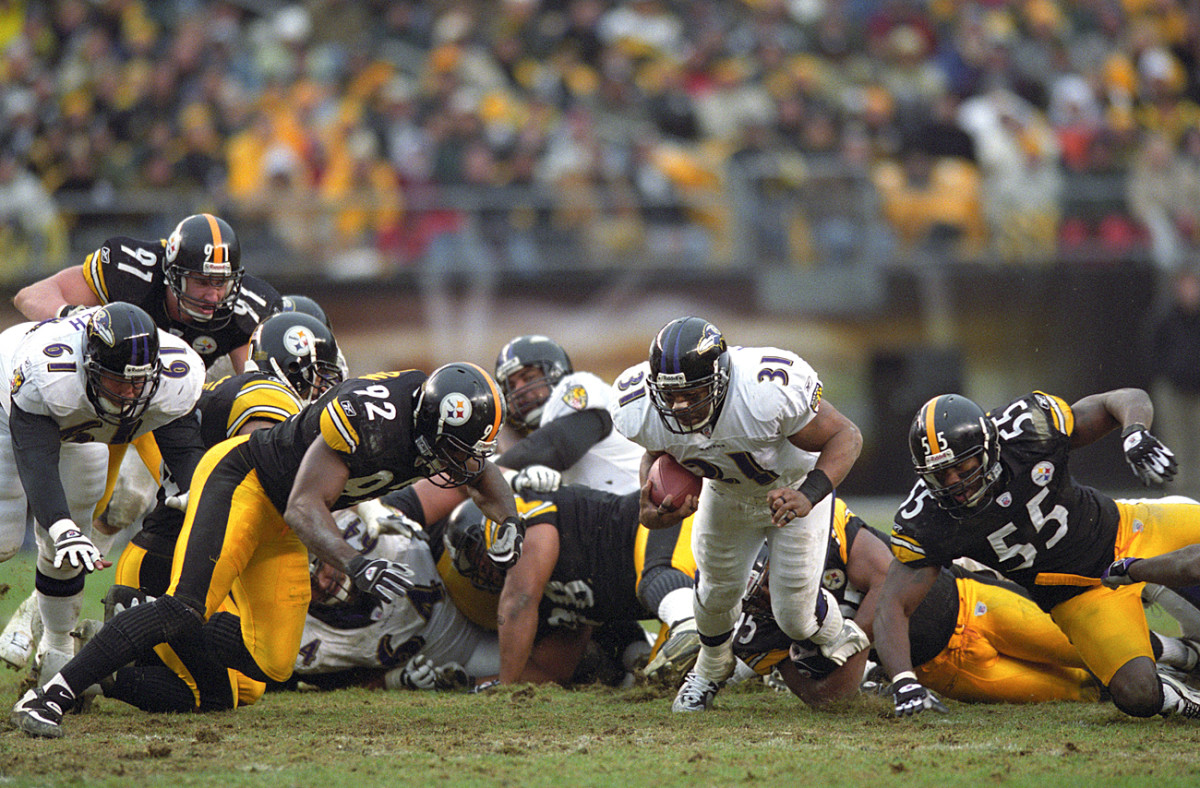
(204, 345)
(455, 409)
(173, 245)
(298, 341)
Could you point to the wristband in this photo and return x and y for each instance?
(904, 674)
(1132, 428)
(60, 527)
(816, 485)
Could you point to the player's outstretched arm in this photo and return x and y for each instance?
(45, 299)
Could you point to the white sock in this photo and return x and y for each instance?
(59, 614)
(715, 663)
(677, 605)
(1175, 654)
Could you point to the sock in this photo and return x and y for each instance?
(59, 615)
(716, 660)
(1175, 654)
(677, 605)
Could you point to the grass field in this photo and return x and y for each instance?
(539, 736)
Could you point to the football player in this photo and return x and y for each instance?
(354, 638)
(995, 487)
(567, 435)
(752, 421)
(293, 360)
(261, 502)
(585, 562)
(106, 375)
(192, 284)
(973, 638)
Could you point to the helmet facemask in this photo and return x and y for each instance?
(466, 545)
(538, 363)
(330, 586)
(688, 405)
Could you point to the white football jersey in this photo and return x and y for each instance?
(772, 394)
(43, 364)
(613, 463)
(423, 622)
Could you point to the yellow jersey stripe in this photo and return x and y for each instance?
(1060, 411)
(906, 550)
(93, 274)
(263, 412)
(336, 429)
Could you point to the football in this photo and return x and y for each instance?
(668, 477)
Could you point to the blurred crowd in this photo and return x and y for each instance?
(372, 135)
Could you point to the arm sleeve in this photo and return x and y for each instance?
(181, 447)
(36, 443)
(560, 443)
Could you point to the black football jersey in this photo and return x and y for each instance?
(594, 580)
(126, 269)
(760, 643)
(228, 403)
(367, 420)
(1039, 519)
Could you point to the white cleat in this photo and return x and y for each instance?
(17, 641)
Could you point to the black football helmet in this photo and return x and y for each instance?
(455, 422)
(689, 374)
(299, 350)
(120, 361)
(468, 534)
(204, 251)
(947, 430)
(302, 303)
(531, 350)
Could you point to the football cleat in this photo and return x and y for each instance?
(695, 694)
(678, 652)
(39, 712)
(1185, 703)
(17, 641)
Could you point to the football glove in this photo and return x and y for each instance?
(849, 641)
(536, 479)
(179, 502)
(505, 549)
(66, 310)
(1117, 573)
(910, 697)
(72, 547)
(1151, 461)
(378, 519)
(381, 578)
(421, 674)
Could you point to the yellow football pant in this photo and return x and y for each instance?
(1108, 626)
(1006, 650)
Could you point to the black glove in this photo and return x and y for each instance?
(505, 549)
(809, 660)
(381, 578)
(910, 697)
(1151, 461)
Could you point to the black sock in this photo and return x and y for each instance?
(153, 688)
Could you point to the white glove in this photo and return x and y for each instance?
(536, 479)
(179, 502)
(418, 674)
(848, 642)
(72, 546)
(370, 513)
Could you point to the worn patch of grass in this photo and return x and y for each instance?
(546, 736)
